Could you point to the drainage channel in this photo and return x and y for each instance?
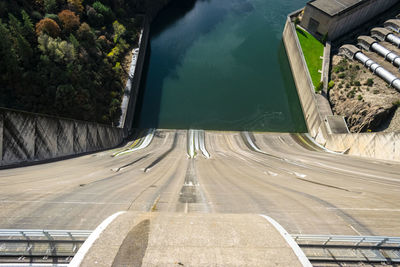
(21, 247)
(350, 250)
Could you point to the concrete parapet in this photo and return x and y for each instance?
(27, 137)
(384, 146)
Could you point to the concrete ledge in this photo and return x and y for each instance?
(171, 239)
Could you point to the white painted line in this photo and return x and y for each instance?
(80, 255)
(289, 239)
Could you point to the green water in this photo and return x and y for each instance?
(220, 65)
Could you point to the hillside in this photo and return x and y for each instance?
(63, 57)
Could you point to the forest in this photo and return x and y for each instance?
(63, 57)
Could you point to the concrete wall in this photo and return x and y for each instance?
(135, 81)
(27, 137)
(375, 145)
(345, 21)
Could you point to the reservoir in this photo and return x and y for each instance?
(220, 65)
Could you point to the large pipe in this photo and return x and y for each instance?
(393, 39)
(386, 53)
(378, 70)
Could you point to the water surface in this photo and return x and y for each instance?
(220, 65)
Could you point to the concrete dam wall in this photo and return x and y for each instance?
(384, 146)
(28, 137)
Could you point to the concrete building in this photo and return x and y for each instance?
(337, 17)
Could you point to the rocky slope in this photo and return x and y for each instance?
(365, 100)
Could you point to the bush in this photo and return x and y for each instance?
(342, 75)
(369, 82)
(319, 87)
(331, 84)
(357, 83)
(48, 26)
(359, 97)
(347, 85)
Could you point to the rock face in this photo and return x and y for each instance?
(365, 100)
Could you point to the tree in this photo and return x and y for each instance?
(57, 49)
(48, 26)
(28, 28)
(69, 20)
(50, 5)
(76, 5)
(119, 30)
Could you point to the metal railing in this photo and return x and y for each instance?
(40, 246)
(350, 249)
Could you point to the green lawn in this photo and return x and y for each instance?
(312, 50)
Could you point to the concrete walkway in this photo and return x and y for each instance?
(177, 239)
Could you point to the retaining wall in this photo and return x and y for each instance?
(28, 137)
(376, 145)
(135, 81)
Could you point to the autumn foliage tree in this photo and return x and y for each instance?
(70, 21)
(48, 26)
(76, 5)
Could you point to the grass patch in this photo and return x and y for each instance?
(312, 50)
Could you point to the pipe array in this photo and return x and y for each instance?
(378, 70)
(393, 39)
(386, 53)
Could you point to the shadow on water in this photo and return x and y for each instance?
(161, 63)
(299, 124)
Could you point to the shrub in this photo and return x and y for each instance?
(48, 26)
(331, 84)
(357, 83)
(342, 75)
(347, 85)
(69, 20)
(376, 91)
(357, 67)
(359, 97)
(369, 82)
(319, 87)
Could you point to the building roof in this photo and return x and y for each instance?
(334, 7)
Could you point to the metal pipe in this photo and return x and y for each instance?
(378, 70)
(386, 53)
(393, 39)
